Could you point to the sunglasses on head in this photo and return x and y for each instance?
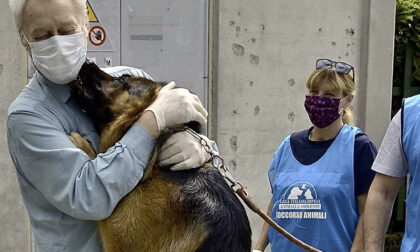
(340, 67)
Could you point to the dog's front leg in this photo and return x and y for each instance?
(82, 144)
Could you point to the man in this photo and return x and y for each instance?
(398, 156)
(63, 190)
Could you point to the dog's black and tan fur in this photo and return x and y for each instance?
(193, 210)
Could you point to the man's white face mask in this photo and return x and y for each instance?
(60, 58)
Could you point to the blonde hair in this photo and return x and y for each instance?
(17, 7)
(337, 83)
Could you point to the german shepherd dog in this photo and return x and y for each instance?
(192, 210)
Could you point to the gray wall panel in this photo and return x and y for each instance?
(108, 14)
(168, 40)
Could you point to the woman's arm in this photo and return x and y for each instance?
(358, 237)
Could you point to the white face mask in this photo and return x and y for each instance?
(60, 58)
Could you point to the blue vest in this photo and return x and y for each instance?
(411, 147)
(316, 203)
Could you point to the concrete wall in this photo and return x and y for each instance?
(13, 220)
(377, 61)
(265, 52)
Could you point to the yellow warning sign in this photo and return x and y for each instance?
(91, 13)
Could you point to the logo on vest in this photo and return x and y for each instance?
(300, 201)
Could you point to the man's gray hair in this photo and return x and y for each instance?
(17, 6)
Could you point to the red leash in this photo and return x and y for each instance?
(218, 163)
(244, 196)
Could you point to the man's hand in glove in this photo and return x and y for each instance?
(176, 106)
(183, 151)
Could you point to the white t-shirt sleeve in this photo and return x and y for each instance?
(391, 160)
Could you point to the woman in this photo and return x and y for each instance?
(320, 176)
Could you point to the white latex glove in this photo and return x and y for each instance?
(183, 151)
(177, 106)
(256, 250)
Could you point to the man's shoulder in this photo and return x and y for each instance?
(122, 70)
(29, 99)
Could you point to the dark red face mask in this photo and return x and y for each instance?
(322, 110)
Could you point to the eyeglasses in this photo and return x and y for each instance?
(340, 67)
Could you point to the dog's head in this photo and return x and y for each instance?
(88, 89)
(104, 97)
